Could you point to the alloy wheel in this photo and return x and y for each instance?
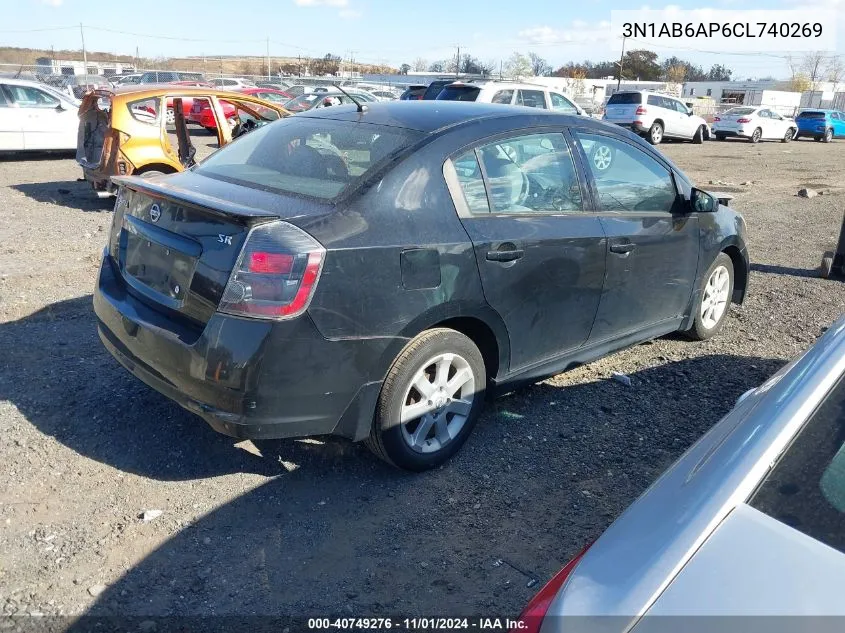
(656, 134)
(602, 157)
(437, 403)
(715, 299)
(757, 135)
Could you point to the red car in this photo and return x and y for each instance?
(187, 103)
(268, 94)
(201, 113)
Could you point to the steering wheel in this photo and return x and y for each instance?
(525, 190)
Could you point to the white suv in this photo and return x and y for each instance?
(655, 116)
(510, 93)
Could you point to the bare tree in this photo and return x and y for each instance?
(835, 72)
(518, 65)
(539, 66)
(814, 67)
(420, 64)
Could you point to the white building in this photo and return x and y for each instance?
(78, 67)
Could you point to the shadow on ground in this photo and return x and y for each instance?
(336, 531)
(785, 270)
(73, 194)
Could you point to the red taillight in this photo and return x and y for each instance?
(262, 262)
(743, 120)
(641, 110)
(715, 118)
(276, 273)
(532, 616)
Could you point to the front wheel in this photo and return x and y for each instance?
(790, 134)
(756, 135)
(713, 303)
(828, 136)
(655, 133)
(430, 401)
(698, 137)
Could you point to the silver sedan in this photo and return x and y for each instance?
(750, 521)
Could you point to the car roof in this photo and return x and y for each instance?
(433, 116)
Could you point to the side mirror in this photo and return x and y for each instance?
(60, 108)
(703, 202)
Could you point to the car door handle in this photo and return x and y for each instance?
(505, 256)
(622, 249)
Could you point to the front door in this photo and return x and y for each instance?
(653, 243)
(541, 258)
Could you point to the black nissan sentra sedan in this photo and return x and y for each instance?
(374, 274)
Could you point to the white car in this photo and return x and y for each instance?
(754, 123)
(34, 116)
(384, 95)
(655, 116)
(510, 93)
(232, 83)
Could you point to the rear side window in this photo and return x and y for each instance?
(459, 93)
(503, 96)
(145, 110)
(627, 179)
(626, 98)
(318, 158)
(4, 101)
(806, 488)
(472, 183)
(531, 98)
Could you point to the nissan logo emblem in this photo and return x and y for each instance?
(155, 213)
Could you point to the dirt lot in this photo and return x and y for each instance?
(318, 527)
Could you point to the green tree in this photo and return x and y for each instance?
(404, 68)
(642, 65)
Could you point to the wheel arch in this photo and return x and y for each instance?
(740, 272)
(164, 168)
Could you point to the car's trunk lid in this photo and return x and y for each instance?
(175, 247)
(622, 107)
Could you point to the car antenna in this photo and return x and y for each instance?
(361, 107)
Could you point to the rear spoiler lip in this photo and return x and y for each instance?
(193, 198)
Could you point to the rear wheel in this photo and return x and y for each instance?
(712, 306)
(170, 117)
(756, 135)
(790, 134)
(152, 173)
(698, 137)
(430, 401)
(655, 133)
(828, 135)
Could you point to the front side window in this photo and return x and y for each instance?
(4, 101)
(531, 174)
(503, 96)
(319, 158)
(806, 488)
(29, 97)
(633, 181)
(562, 104)
(531, 98)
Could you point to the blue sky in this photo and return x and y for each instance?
(392, 31)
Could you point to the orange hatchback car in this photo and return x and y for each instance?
(142, 129)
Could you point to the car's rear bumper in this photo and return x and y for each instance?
(247, 378)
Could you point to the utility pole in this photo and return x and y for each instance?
(136, 59)
(84, 54)
(621, 59)
(500, 70)
(458, 62)
(268, 58)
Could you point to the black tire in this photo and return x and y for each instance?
(698, 137)
(827, 265)
(828, 135)
(720, 137)
(386, 438)
(211, 130)
(655, 133)
(699, 331)
(756, 135)
(817, 138)
(790, 134)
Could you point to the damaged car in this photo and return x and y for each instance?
(142, 130)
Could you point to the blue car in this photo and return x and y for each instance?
(822, 125)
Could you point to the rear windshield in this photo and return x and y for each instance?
(434, 89)
(811, 115)
(626, 98)
(319, 158)
(459, 93)
(740, 111)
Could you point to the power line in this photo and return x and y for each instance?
(53, 28)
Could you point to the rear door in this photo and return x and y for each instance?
(531, 98)
(653, 243)
(541, 257)
(11, 122)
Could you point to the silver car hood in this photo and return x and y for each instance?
(635, 560)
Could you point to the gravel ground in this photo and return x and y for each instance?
(313, 527)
